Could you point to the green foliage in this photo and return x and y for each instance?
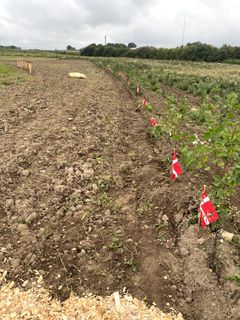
(148, 107)
(160, 234)
(217, 149)
(193, 218)
(132, 45)
(9, 75)
(213, 150)
(156, 132)
(196, 51)
(235, 279)
(109, 50)
(61, 54)
(116, 244)
(145, 208)
(204, 80)
(103, 199)
(130, 263)
(69, 47)
(5, 69)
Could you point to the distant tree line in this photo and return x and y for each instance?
(196, 51)
(10, 47)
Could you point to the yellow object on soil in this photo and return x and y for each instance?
(77, 75)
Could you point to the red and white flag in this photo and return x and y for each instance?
(153, 122)
(147, 105)
(144, 102)
(176, 169)
(208, 214)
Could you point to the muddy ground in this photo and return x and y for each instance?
(86, 201)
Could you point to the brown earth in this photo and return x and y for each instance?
(86, 200)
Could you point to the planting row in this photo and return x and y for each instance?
(206, 134)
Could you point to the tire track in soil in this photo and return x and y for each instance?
(85, 199)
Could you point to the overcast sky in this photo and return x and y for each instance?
(54, 24)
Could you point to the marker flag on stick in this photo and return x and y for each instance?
(144, 102)
(176, 169)
(147, 105)
(208, 214)
(153, 122)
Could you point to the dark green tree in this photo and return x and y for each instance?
(70, 47)
(132, 45)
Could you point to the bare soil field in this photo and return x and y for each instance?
(86, 202)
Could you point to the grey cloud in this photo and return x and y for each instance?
(55, 24)
(115, 13)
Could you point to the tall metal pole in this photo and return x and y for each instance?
(184, 27)
(105, 40)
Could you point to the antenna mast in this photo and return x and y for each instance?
(184, 27)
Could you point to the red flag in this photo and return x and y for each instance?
(176, 169)
(147, 105)
(144, 102)
(208, 214)
(153, 122)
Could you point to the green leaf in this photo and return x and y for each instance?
(191, 139)
(149, 107)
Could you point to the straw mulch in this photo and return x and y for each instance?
(35, 303)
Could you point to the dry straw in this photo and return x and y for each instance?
(36, 304)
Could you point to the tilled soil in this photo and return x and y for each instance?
(87, 202)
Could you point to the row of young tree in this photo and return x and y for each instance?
(196, 51)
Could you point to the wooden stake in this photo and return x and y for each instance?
(117, 301)
(199, 214)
